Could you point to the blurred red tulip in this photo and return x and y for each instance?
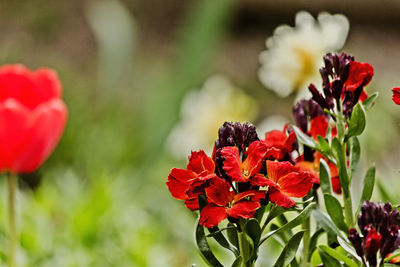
(32, 117)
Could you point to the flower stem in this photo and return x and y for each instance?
(348, 210)
(12, 181)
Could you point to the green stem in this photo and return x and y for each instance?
(244, 248)
(348, 210)
(12, 181)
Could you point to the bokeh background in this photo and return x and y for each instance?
(126, 66)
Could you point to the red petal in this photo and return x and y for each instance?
(243, 209)
(28, 87)
(256, 154)
(218, 192)
(359, 74)
(261, 180)
(336, 185)
(15, 123)
(396, 95)
(199, 162)
(319, 126)
(198, 185)
(178, 182)
(211, 215)
(295, 184)
(276, 170)
(232, 164)
(280, 199)
(275, 138)
(192, 204)
(254, 195)
(48, 126)
(310, 167)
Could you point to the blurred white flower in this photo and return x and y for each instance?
(294, 54)
(204, 111)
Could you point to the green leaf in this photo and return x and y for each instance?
(355, 150)
(339, 154)
(357, 121)
(324, 145)
(325, 222)
(259, 213)
(289, 251)
(369, 182)
(220, 238)
(327, 260)
(273, 213)
(305, 139)
(370, 101)
(204, 248)
(385, 195)
(291, 224)
(253, 229)
(232, 234)
(392, 256)
(335, 211)
(338, 256)
(344, 243)
(324, 177)
(314, 240)
(237, 262)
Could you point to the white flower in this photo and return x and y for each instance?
(204, 111)
(294, 54)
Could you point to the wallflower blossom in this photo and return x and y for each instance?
(285, 181)
(181, 183)
(294, 54)
(379, 229)
(203, 112)
(224, 202)
(32, 117)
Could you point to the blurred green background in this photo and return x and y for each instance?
(101, 199)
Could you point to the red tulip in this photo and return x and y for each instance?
(32, 117)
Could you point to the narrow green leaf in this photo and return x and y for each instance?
(291, 224)
(335, 211)
(253, 229)
(345, 244)
(325, 222)
(259, 213)
(324, 145)
(385, 195)
(294, 263)
(204, 248)
(355, 151)
(314, 241)
(237, 262)
(289, 251)
(368, 188)
(370, 101)
(357, 121)
(392, 256)
(220, 238)
(273, 213)
(324, 177)
(232, 234)
(305, 139)
(328, 260)
(338, 256)
(339, 154)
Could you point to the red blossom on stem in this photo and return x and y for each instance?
(32, 117)
(223, 203)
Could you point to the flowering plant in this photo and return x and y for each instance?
(245, 190)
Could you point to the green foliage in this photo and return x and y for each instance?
(357, 121)
(289, 251)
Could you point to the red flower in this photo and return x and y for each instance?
(372, 242)
(242, 171)
(319, 126)
(360, 74)
(285, 182)
(223, 203)
(396, 95)
(188, 184)
(32, 117)
(281, 141)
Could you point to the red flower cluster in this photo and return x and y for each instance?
(236, 181)
(32, 117)
(396, 95)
